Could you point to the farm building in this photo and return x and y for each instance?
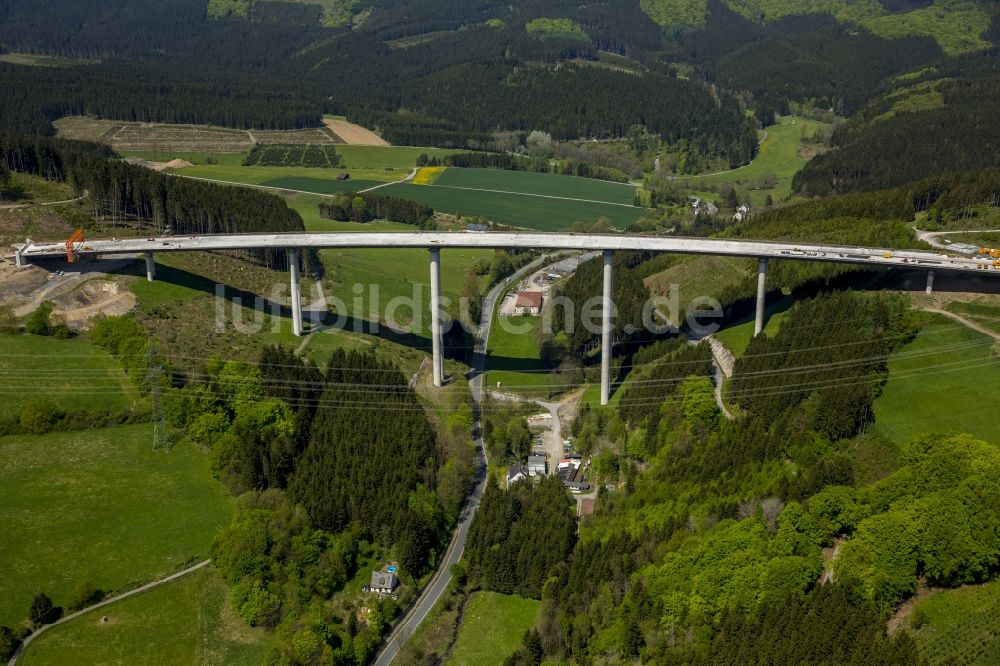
(515, 473)
(383, 582)
(536, 465)
(528, 303)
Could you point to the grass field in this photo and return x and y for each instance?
(696, 277)
(778, 156)
(737, 336)
(492, 627)
(316, 178)
(514, 359)
(27, 189)
(986, 315)
(961, 626)
(100, 507)
(401, 158)
(33, 367)
(319, 185)
(186, 621)
(945, 381)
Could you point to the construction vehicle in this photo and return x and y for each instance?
(77, 237)
(991, 252)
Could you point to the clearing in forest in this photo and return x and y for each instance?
(353, 135)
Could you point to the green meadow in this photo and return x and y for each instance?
(73, 374)
(186, 621)
(945, 381)
(100, 507)
(492, 627)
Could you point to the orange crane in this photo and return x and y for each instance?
(77, 237)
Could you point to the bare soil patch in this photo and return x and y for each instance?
(354, 135)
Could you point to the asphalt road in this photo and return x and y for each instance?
(438, 584)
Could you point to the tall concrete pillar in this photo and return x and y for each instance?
(293, 269)
(437, 362)
(607, 302)
(930, 282)
(758, 324)
(150, 267)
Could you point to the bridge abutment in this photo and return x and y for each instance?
(930, 282)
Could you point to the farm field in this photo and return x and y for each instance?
(944, 381)
(547, 184)
(100, 507)
(34, 367)
(319, 185)
(526, 210)
(961, 626)
(187, 621)
(492, 627)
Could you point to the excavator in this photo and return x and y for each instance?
(77, 237)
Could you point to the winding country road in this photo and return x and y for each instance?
(438, 584)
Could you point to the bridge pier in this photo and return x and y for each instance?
(150, 267)
(930, 282)
(758, 323)
(437, 363)
(606, 329)
(293, 269)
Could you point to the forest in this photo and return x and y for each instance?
(880, 149)
(519, 535)
(320, 474)
(710, 551)
(368, 206)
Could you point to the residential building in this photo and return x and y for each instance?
(528, 303)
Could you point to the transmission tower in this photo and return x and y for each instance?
(153, 384)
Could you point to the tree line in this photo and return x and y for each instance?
(508, 162)
(368, 206)
(131, 194)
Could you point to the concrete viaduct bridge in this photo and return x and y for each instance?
(293, 243)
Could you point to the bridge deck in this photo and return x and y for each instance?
(555, 241)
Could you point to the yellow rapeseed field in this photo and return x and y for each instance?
(427, 175)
